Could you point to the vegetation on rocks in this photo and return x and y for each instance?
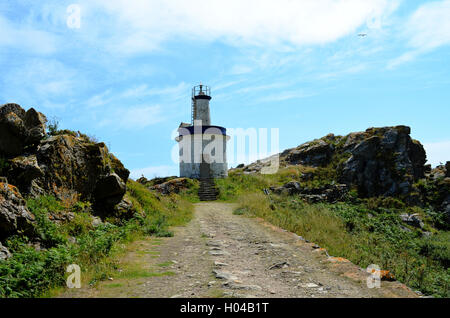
(391, 209)
(65, 199)
(39, 264)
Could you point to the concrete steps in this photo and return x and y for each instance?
(208, 190)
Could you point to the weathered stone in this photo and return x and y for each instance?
(412, 219)
(72, 166)
(23, 170)
(96, 221)
(118, 168)
(4, 253)
(35, 122)
(171, 186)
(109, 190)
(12, 129)
(386, 162)
(19, 129)
(69, 166)
(224, 275)
(328, 193)
(14, 215)
(125, 209)
(293, 185)
(315, 153)
(447, 169)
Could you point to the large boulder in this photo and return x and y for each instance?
(118, 168)
(327, 193)
(109, 191)
(69, 166)
(171, 186)
(19, 130)
(23, 170)
(447, 169)
(378, 162)
(74, 166)
(315, 153)
(384, 161)
(4, 253)
(14, 215)
(35, 123)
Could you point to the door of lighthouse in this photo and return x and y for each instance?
(205, 168)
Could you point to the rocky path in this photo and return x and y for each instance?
(219, 254)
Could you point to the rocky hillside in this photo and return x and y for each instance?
(367, 197)
(384, 162)
(67, 165)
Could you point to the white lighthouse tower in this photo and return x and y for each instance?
(202, 146)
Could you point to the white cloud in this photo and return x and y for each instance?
(429, 26)
(37, 80)
(426, 29)
(404, 58)
(100, 99)
(169, 92)
(438, 152)
(284, 95)
(154, 171)
(26, 38)
(142, 23)
(135, 118)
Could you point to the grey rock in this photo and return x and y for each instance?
(96, 221)
(109, 190)
(279, 265)
(315, 153)
(19, 129)
(218, 253)
(14, 215)
(23, 171)
(386, 162)
(413, 219)
(4, 253)
(236, 286)
(224, 275)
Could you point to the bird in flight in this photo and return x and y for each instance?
(362, 34)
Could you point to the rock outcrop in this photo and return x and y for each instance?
(328, 193)
(377, 162)
(385, 162)
(20, 129)
(315, 153)
(171, 186)
(69, 166)
(14, 215)
(4, 253)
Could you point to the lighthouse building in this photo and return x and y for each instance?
(202, 146)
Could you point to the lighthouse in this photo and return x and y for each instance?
(202, 146)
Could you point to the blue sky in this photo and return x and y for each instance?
(125, 75)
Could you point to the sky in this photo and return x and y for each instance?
(123, 71)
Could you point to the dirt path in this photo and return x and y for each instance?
(219, 254)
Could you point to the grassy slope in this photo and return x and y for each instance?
(364, 231)
(31, 273)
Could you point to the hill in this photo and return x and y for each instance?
(64, 199)
(367, 196)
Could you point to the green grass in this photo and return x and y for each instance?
(32, 273)
(365, 232)
(142, 273)
(165, 264)
(114, 285)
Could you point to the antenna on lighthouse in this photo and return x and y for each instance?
(201, 95)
